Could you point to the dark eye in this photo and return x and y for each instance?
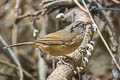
(74, 25)
(83, 24)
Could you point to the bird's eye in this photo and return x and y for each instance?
(83, 24)
(74, 25)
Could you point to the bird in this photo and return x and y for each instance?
(61, 42)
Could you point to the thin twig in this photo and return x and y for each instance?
(39, 12)
(12, 55)
(114, 42)
(15, 67)
(101, 36)
(82, 8)
(116, 1)
(7, 75)
(14, 36)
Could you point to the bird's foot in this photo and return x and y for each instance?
(66, 60)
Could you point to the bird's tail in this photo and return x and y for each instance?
(19, 44)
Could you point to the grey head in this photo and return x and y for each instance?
(76, 26)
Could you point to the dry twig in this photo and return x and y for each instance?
(116, 1)
(14, 35)
(113, 40)
(13, 56)
(116, 63)
(15, 67)
(81, 7)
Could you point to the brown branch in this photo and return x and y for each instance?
(48, 6)
(37, 13)
(52, 5)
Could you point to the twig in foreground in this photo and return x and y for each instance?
(114, 43)
(82, 8)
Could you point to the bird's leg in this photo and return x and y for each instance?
(67, 61)
(61, 61)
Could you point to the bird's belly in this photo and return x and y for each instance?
(58, 50)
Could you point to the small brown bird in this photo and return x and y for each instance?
(61, 42)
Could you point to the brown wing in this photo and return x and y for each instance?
(57, 38)
(50, 39)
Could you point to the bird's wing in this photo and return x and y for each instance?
(50, 39)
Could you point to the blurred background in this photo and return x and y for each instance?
(99, 67)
